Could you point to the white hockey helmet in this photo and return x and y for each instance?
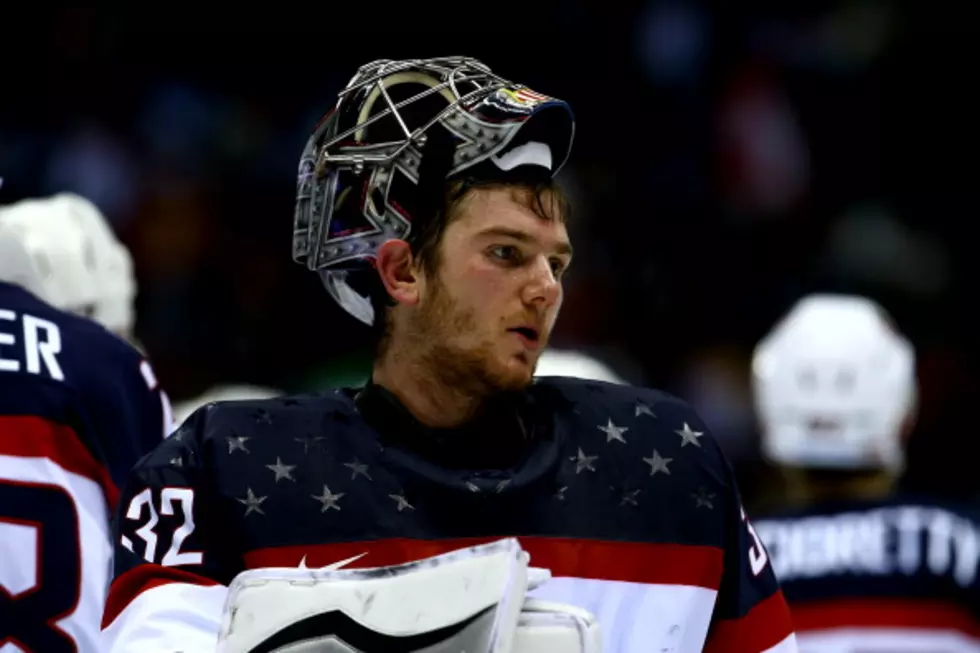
(183, 409)
(62, 249)
(834, 385)
(568, 362)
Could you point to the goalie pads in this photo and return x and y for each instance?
(467, 600)
(547, 627)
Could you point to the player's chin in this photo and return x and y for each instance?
(517, 372)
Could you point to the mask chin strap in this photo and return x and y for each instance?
(349, 299)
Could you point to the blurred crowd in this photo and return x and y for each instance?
(729, 159)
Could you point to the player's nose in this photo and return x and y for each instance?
(543, 289)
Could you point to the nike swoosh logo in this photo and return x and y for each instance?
(333, 565)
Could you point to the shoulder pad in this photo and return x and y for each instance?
(639, 419)
(248, 417)
(600, 393)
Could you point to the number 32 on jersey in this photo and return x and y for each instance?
(175, 502)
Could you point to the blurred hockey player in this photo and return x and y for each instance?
(427, 204)
(863, 570)
(576, 364)
(78, 407)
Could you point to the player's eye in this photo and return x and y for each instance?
(558, 267)
(506, 254)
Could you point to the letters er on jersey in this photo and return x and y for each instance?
(863, 569)
(427, 204)
(78, 407)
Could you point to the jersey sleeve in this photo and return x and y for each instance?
(128, 411)
(173, 554)
(751, 614)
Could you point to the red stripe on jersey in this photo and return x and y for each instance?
(130, 584)
(885, 613)
(669, 564)
(27, 436)
(765, 625)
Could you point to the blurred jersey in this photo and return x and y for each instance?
(889, 576)
(78, 408)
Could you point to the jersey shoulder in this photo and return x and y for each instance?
(221, 432)
(87, 348)
(63, 363)
(66, 374)
(630, 424)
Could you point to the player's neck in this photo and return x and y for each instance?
(814, 487)
(430, 400)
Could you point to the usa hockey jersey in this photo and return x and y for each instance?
(897, 575)
(620, 492)
(78, 407)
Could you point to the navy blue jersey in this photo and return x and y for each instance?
(78, 408)
(897, 574)
(622, 493)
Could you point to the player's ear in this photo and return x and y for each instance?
(398, 271)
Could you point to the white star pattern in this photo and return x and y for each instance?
(358, 468)
(282, 471)
(643, 409)
(310, 441)
(614, 432)
(689, 436)
(401, 503)
(703, 498)
(629, 497)
(328, 501)
(236, 442)
(252, 503)
(583, 462)
(658, 463)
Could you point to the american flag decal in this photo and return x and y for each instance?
(524, 97)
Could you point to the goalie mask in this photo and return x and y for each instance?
(376, 167)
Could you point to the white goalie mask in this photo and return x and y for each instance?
(834, 386)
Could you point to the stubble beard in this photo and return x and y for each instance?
(443, 333)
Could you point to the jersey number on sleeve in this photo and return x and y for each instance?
(170, 499)
(41, 573)
(169, 425)
(758, 558)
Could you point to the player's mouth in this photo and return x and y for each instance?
(529, 336)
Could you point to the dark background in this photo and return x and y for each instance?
(730, 157)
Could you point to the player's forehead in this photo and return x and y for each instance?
(487, 213)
